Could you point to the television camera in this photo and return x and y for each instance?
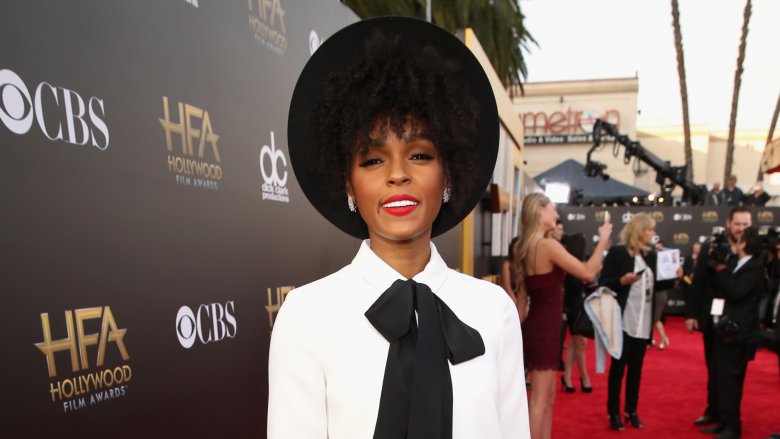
(667, 176)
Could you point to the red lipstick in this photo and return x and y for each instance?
(400, 205)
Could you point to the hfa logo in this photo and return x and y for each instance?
(765, 216)
(681, 238)
(266, 18)
(192, 167)
(90, 388)
(709, 216)
(275, 301)
(273, 169)
(61, 113)
(657, 215)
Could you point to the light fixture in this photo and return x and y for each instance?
(557, 192)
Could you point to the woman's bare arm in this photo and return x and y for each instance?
(585, 271)
(506, 279)
(522, 302)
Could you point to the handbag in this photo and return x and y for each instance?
(582, 324)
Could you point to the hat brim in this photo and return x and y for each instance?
(337, 53)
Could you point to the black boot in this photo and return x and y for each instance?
(705, 419)
(615, 423)
(633, 419)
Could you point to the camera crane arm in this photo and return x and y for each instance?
(667, 176)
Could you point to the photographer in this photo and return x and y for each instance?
(719, 250)
(772, 248)
(735, 318)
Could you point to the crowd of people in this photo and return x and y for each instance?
(723, 282)
(732, 195)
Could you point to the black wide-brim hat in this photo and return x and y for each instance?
(338, 53)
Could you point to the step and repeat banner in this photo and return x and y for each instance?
(151, 221)
(678, 227)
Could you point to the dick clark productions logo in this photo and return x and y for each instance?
(273, 169)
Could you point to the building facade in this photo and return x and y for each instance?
(557, 118)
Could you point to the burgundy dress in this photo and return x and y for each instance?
(542, 326)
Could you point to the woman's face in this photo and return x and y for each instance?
(548, 216)
(648, 234)
(397, 184)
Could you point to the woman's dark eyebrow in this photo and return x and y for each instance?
(375, 142)
(420, 135)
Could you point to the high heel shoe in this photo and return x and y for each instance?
(568, 389)
(615, 423)
(585, 389)
(633, 419)
(664, 344)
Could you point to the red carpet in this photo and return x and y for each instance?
(672, 395)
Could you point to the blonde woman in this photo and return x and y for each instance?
(540, 265)
(628, 272)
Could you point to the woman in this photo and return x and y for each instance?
(574, 294)
(394, 143)
(628, 272)
(540, 266)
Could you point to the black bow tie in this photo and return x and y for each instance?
(416, 401)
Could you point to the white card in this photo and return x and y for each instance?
(717, 307)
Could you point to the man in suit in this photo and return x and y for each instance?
(714, 197)
(732, 195)
(699, 305)
(735, 316)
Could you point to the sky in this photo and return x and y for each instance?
(597, 39)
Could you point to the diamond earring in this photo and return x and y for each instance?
(445, 196)
(351, 204)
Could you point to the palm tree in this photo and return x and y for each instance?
(769, 136)
(683, 87)
(735, 96)
(497, 23)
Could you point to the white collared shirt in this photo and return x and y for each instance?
(327, 362)
(741, 262)
(637, 316)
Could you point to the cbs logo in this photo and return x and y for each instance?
(61, 113)
(314, 42)
(270, 160)
(212, 322)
